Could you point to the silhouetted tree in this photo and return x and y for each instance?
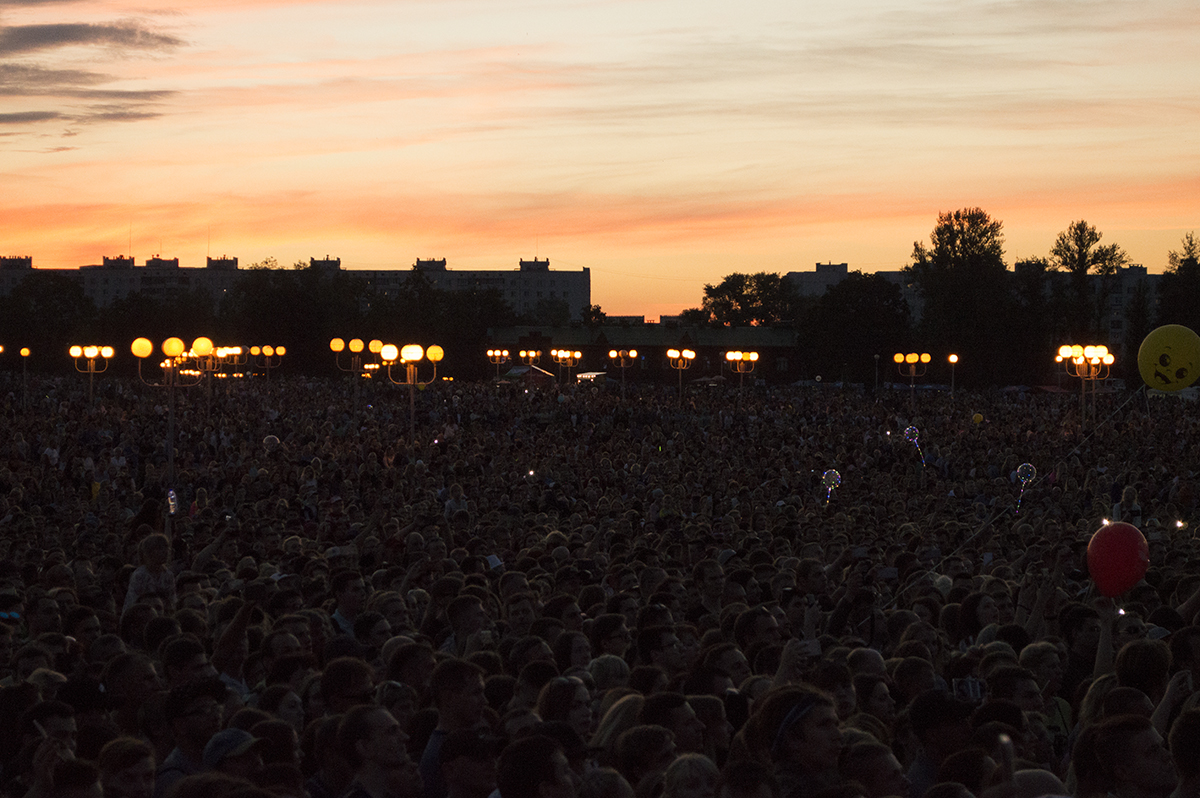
(856, 319)
(746, 300)
(1179, 287)
(963, 282)
(1077, 251)
(47, 312)
(593, 316)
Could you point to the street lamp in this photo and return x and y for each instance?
(742, 363)
(623, 358)
(410, 355)
(268, 357)
(953, 362)
(566, 357)
(1087, 363)
(355, 366)
(174, 350)
(89, 355)
(498, 357)
(912, 365)
(25, 377)
(681, 360)
(530, 357)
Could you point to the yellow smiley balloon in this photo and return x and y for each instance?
(1169, 358)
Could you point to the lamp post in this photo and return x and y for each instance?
(355, 366)
(953, 362)
(681, 360)
(25, 377)
(89, 355)
(623, 358)
(268, 357)
(173, 349)
(498, 357)
(912, 365)
(1087, 363)
(742, 363)
(530, 357)
(410, 355)
(204, 356)
(566, 358)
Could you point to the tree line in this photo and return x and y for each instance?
(1005, 324)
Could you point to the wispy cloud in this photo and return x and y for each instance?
(20, 39)
(26, 117)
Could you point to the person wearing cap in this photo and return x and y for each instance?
(468, 759)
(940, 723)
(234, 752)
(193, 711)
(373, 744)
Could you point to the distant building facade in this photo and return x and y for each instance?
(528, 288)
(524, 288)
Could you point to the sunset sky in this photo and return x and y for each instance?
(661, 143)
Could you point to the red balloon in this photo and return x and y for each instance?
(1117, 558)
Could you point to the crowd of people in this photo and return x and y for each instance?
(560, 591)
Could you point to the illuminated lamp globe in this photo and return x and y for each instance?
(673, 353)
(752, 357)
(633, 353)
(254, 350)
(337, 345)
(268, 350)
(142, 347)
(91, 352)
(732, 356)
(356, 345)
(953, 358)
(375, 346)
(898, 357)
(76, 351)
(389, 353)
(173, 347)
(24, 351)
(435, 353)
(411, 353)
(925, 358)
(1064, 351)
(612, 353)
(911, 357)
(280, 351)
(203, 347)
(1076, 351)
(687, 354)
(107, 352)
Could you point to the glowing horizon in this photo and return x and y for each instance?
(659, 144)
